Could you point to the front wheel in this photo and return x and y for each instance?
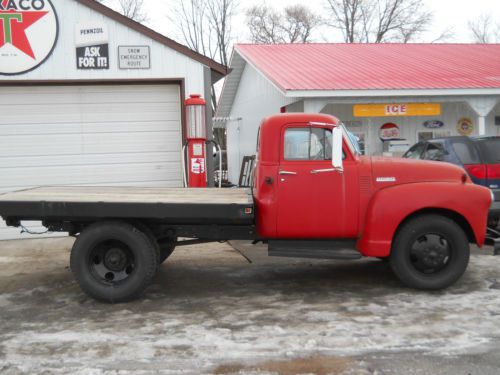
(430, 252)
(113, 261)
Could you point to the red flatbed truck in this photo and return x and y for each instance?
(313, 197)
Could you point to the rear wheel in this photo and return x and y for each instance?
(430, 252)
(113, 261)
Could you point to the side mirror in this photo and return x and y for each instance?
(337, 137)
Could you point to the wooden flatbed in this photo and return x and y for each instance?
(169, 205)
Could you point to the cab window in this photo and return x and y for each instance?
(308, 144)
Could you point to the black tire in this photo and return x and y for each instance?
(167, 247)
(430, 252)
(149, 232)
(113, 261)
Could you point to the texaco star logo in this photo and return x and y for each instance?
(28, 34)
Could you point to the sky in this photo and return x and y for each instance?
(447, 13)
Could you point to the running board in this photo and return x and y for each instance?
(314, 249)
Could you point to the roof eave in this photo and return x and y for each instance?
(390, 92)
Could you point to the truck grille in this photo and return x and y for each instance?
(365, 184)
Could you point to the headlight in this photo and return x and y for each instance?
(492, 197)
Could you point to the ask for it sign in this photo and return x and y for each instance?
(92, 48)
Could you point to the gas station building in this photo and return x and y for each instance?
(389, 95)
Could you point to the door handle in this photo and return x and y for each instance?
(316, 171)
(288, 173)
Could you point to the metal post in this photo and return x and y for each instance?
(481, 125)
(207, 74)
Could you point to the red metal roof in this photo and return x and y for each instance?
(376, 66)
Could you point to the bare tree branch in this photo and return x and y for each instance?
(484, 30)
(299, 22)
(130, 8)
(378, 21)
(220, 16)
(206, 27)
(446, 35)
(294, 25)
(133, 9)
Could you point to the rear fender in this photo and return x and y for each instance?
(391, 206)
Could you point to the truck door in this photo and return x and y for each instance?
(314, 201)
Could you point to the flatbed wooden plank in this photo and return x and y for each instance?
(168, 205)
(131, 195)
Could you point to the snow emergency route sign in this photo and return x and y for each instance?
(28, 34)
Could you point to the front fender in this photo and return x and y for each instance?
(389, 207)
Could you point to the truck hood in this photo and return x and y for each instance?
(395, 171)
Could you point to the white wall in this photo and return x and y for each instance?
(165, 62)
(256, 98)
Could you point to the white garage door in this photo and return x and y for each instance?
(111, 135)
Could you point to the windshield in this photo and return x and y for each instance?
(352, 141)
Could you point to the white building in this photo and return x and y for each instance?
(407, 91)
(89, 97)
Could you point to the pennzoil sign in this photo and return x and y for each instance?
(28, 34)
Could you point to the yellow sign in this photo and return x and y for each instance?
(396, 110)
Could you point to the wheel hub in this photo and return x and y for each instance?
(433, 257)
(111, 262)
(430, 253)
(115, 259)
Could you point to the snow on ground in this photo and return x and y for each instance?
(199, 316)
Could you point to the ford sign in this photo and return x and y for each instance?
(433, 124)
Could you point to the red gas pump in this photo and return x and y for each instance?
(196, 136)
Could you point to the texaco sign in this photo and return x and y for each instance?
(28, 34)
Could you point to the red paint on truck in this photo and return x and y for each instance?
(368, 202)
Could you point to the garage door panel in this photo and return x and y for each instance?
(89, 159)
(88, 174)
(103, 143)
(127, 135)
(91, 94)
(92, 113)
(83, 128)
(54, 118)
